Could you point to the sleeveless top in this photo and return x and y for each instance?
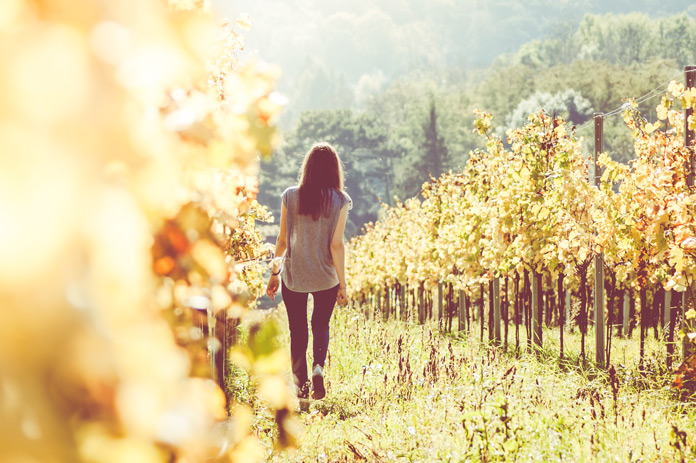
(308, 264)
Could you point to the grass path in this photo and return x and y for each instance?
(399, 392)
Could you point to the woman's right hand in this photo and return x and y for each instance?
(273, 285)
(341, 297)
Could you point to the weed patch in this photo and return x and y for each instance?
(405, 392)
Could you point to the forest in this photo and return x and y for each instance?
(421, 124)
(333, 55)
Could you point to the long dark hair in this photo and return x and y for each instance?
(322, 172)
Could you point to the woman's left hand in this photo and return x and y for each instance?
(273, 285)
(341, 297)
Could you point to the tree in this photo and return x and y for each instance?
(570, 105)
(361, 144)
(435, 151)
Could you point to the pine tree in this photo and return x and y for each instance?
(435, 151)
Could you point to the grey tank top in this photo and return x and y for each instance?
(308, 264)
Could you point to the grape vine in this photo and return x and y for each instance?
(127, 198)
(527, 207)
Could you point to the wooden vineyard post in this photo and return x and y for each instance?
(561, 309)
(618, 321)
(221, 331)
(440, 305)
(396, 301)
(461, 313)
(491, 303)
(690, 77)
(667, 310)
(518, 318)
(468, 313)
(413, 308)
(669, 327)
(673, 310)
(598, 261)
(373, 305)
(421, 303)
(626, 314)
(229, 326)
(526, 302)
(404, 303)
(537, 304)
(426, 305)
(449, 307)
(506, 313)
(496, 310)
(378, 297)
(567, 305)
(409, 302)
(391, 301)
(481, 317)
(414, 311)
(643, 321)
(658, 302)
(683, 321)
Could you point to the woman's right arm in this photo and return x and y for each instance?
(282, 240)
(338, 254)
(281, 246)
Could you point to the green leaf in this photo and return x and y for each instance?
(510, 446)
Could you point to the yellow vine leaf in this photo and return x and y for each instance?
(650, 128)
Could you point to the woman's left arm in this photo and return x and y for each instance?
(281, 246)
(338, 254)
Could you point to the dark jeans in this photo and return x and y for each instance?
(296, 306)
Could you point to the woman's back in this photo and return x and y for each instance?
(312, 244)
(308, 262)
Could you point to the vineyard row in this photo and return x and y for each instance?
(524, 213)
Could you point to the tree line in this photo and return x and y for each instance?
(419, 126)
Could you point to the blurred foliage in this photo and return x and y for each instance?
(130, 138)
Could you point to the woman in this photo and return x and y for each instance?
(312, 221)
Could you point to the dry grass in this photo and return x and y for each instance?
(402, 392)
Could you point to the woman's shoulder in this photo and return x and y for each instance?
(290, 196)
(290, 191)
(343, 198)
